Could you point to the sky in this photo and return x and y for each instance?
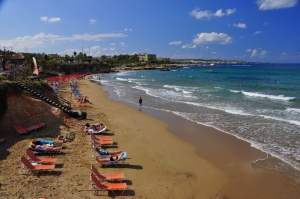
(248, 30)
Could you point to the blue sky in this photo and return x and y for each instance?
(250, 30)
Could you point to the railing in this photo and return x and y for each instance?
(30, 84)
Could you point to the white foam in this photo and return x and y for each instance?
(279, 119)
(234, 91)
(187, 92)
(121, 79)
(294, 110)
(276, 97)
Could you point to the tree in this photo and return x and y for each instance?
(29, 62)
(74, 53)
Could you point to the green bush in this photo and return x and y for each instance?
(2, 77)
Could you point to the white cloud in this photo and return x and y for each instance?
(128, 29)
(213, 52)
(112, 48)
(42, 39)
(230, 11)
(189, 46)
(284, 55)
(184, 56)
(275, 4)
(175, 42)
(261, 55)
(254, 53)
(219, 13)
(53, 19)
(96, 37)
(94, 48)
(207, 38)
(240, 25)
(104, 49)
(113, 44)
(258, 32)
(249, 50)
(44, 18)
(122, 44)
(92, 21)
(69, 51)
(199, 14)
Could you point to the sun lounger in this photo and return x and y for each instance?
(35, 127)
(97, 152)
(19, 129)
(55, 150)
(99, 139)
(83, 104)
(41, 160)
(91, 131)
(98, 186)
(108, 176)
(35, 168)
(102, 143)
(106, 162)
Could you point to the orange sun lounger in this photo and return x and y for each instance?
(99, 139)
(106, 161)
(108, 176)
(83, 104)
(35, 168)
(98, 186)
(102, 143)
(41, 160)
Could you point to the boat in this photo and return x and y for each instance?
(212, 64)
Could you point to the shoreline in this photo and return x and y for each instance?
(204, 163)
(242, 154)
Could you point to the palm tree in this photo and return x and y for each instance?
(29, 62)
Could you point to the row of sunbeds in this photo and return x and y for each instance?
(78, 95)
(115, 180)
(100, 182)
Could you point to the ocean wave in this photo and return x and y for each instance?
(234, 91)
(294, 110)
(276, 97)
(279, 119)
(121, 79)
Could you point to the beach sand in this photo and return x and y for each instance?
(168, 156)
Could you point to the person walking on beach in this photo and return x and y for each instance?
(141, 103)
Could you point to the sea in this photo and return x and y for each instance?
(257, 103)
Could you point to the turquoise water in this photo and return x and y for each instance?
(256, 103)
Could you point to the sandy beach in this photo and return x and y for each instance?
(168, 156)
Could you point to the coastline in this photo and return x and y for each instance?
(168, 156)
(228, 153)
